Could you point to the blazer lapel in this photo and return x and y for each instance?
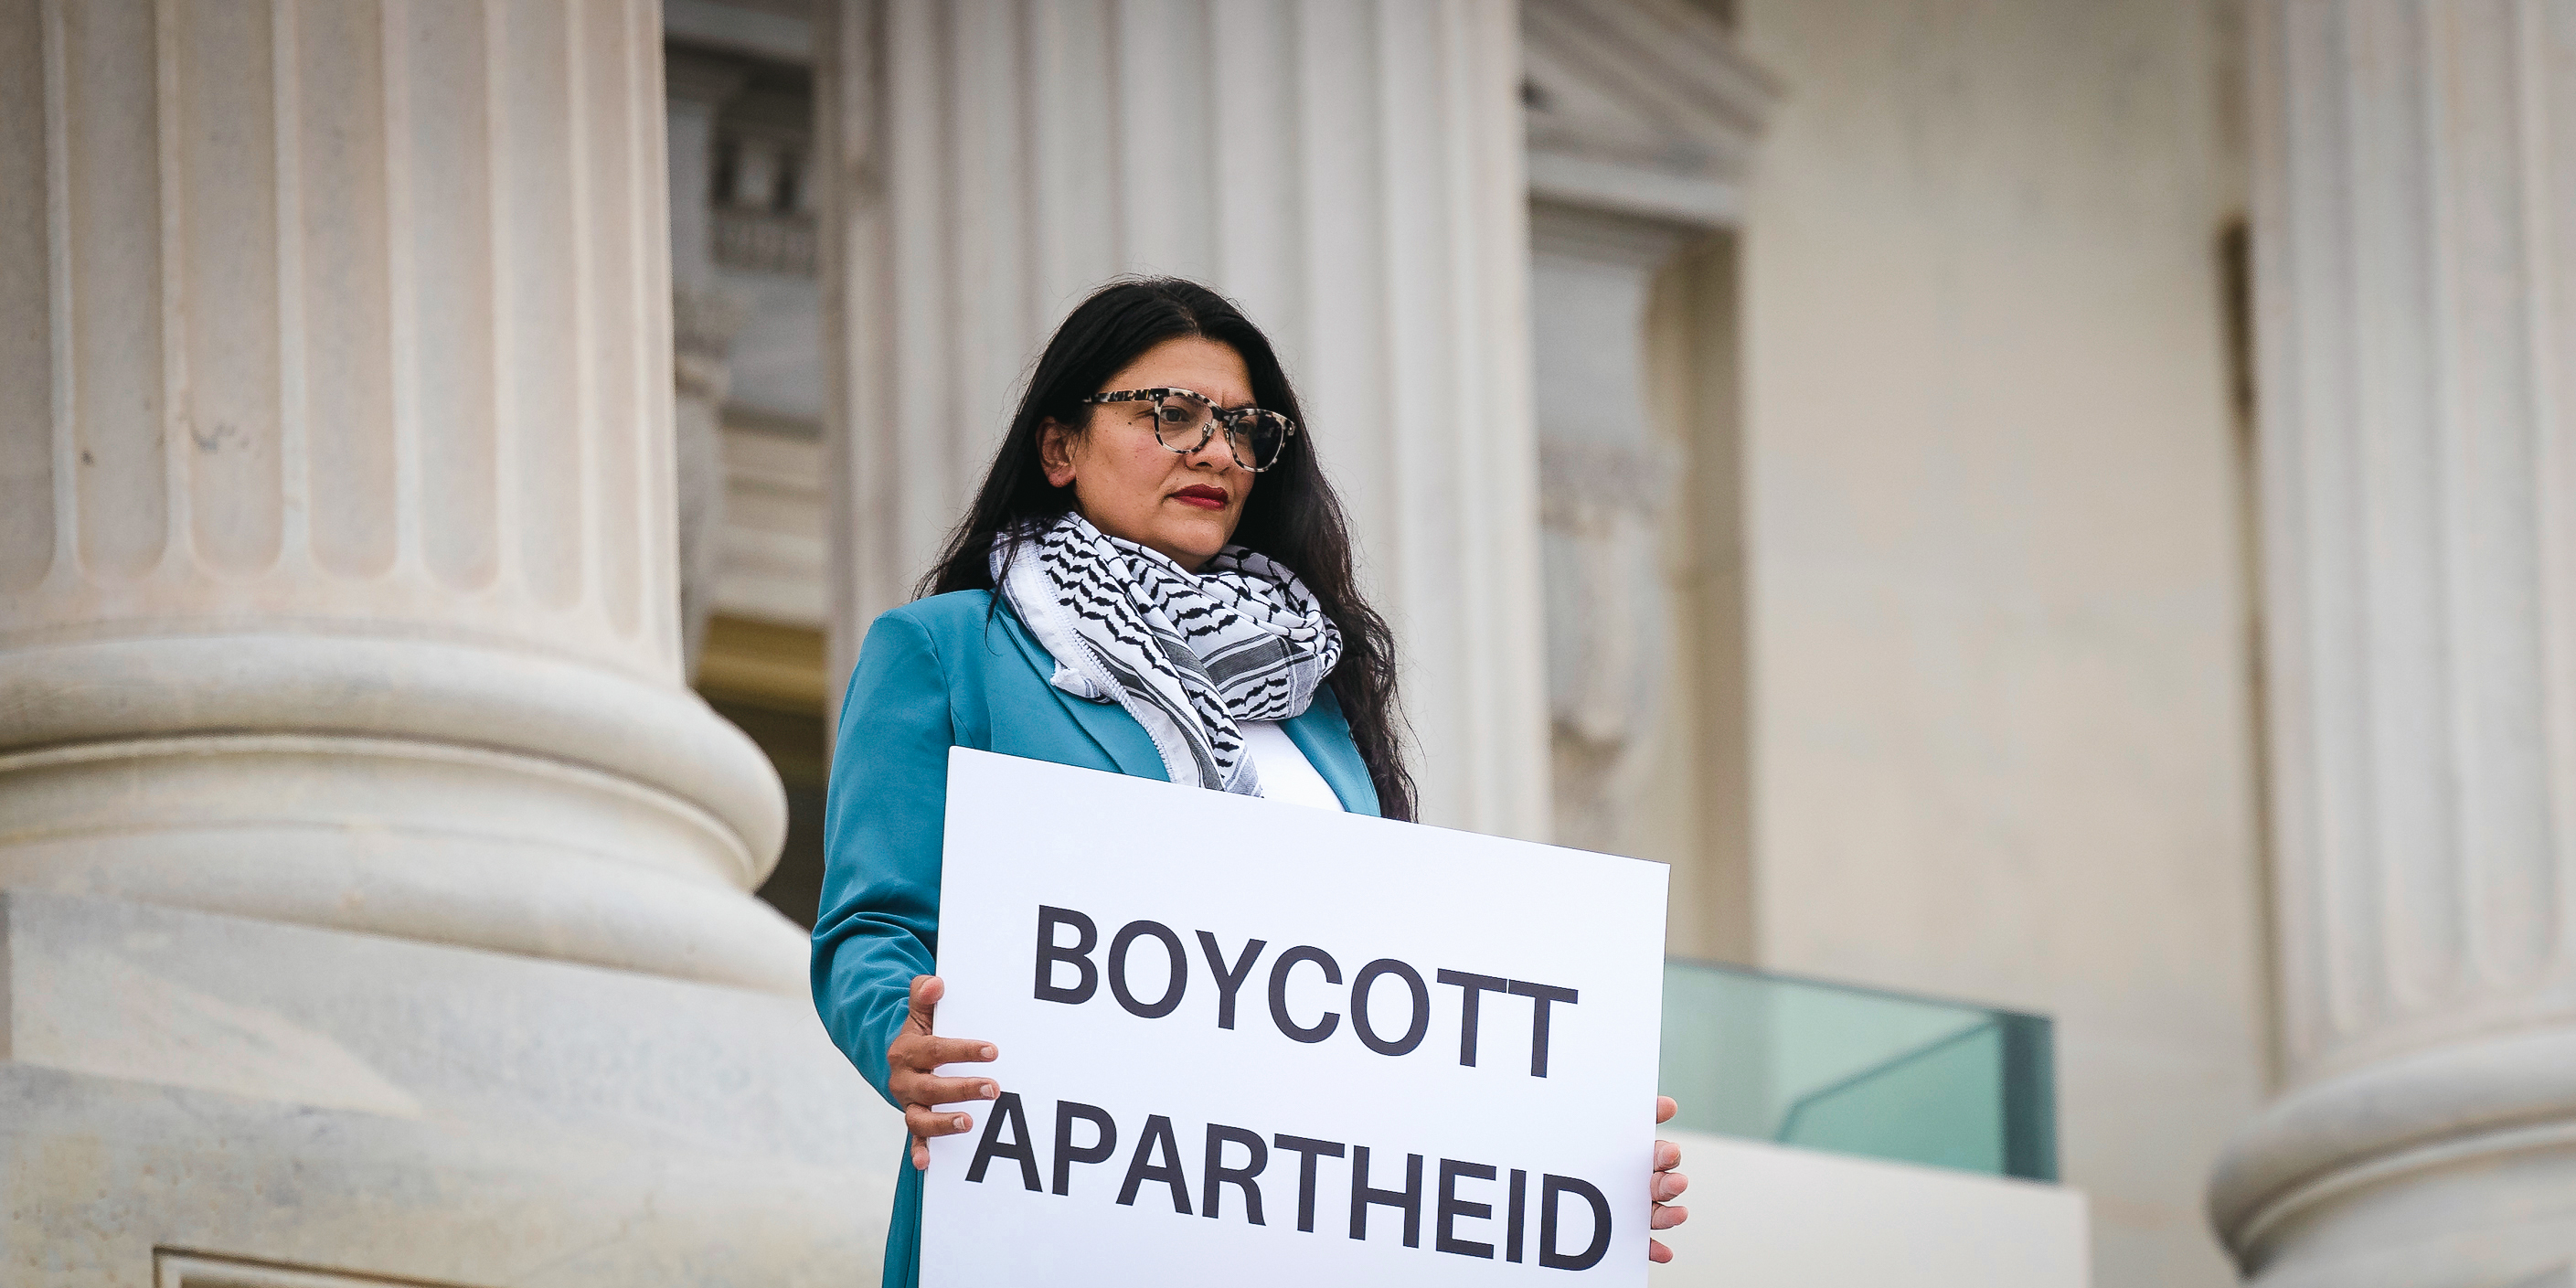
(1119, 736)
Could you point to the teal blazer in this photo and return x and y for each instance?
(950, 671)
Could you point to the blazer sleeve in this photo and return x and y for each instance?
(884, 814)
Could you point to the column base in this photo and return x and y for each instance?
(2453, 1167)
(2503, 1216)
(435, 789)
(199, 1101)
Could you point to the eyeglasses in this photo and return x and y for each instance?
(1184, 421)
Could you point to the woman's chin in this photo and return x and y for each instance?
(1193, 540)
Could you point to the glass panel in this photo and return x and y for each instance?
(1857, 1071)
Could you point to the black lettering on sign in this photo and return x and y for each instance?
(1452, 1207)
(1360, 1013)
(1409, 1198)
(1540, 995)
(1550, 1189)
(1156, 1156)
(1306, 1151)
(992, 1146)
(1067, 1113)
(1217, 1173)
(1279, 969)
(1471, 986)
(1141, 1168)
(1229, 979)
(1086, 937)
(1180, 963)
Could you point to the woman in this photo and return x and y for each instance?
(1122, 597)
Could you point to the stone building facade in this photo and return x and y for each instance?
(448, 453)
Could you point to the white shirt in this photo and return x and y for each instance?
(1286, 774)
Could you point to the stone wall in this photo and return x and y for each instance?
(2001, 715)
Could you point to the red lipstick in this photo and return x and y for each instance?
(1202, 496)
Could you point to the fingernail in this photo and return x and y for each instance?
(961, 1120)
(989, 1053)
(991, 1091)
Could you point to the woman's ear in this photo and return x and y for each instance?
(1055, 451)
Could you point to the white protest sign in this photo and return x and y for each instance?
(1248, 1042)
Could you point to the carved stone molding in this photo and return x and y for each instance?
(1642, 117)
(1643, 107)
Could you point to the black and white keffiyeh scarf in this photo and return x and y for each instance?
(1187, 655)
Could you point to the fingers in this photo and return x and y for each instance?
(925, 1053)
(926, 992)
(1666, 1186)
(927, 1091)
(1665, 1108)
(926, 1122)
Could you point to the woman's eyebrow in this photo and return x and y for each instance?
(1212, 402)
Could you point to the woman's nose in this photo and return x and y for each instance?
(1215, 453)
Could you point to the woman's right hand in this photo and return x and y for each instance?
(912, 1063)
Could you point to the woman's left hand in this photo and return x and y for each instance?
(1667, 1185)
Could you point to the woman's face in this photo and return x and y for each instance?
(1131, 486)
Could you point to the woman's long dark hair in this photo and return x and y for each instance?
(1291, 516)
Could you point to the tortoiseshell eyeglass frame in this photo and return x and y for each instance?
(1234, 419)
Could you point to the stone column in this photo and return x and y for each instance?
(339, 579)
(372, 893)
(2415, 243)
(1349, 170)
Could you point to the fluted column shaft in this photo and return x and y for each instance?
(1347, 169)
(2416, 255)
(337, 573)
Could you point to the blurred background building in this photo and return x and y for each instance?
(2056, 518)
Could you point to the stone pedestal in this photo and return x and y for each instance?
(1350, 172)
(196, 1101)
(339, 658)
(2416, 264)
